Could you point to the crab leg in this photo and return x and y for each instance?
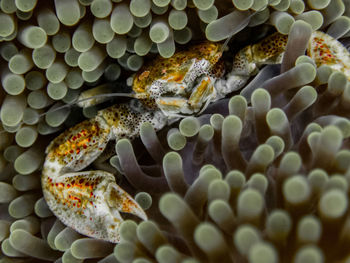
(90, 201)
(247, 61)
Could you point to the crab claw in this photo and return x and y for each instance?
(90, 202)
(120, 200)
(325, 50)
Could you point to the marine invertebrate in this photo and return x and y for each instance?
(85, 200)
(88, 206)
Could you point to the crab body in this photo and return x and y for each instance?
(182, 84)
(90, 201)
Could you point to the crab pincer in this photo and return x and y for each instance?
(90, 201)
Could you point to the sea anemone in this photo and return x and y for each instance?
(272, 186)
(259, 177)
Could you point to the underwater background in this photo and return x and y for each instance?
(261, 176)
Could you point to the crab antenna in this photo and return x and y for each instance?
(107, 95)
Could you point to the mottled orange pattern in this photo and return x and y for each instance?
(175, 68)
(326, 50)
(79, 138)
(74, 192)
(269, 47)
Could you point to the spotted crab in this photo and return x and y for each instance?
(169, 88)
